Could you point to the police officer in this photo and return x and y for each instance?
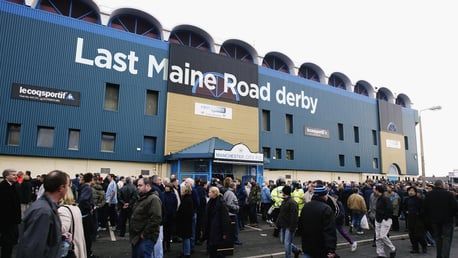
(298, 195)
(277, 198)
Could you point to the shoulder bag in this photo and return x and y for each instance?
(71, 251)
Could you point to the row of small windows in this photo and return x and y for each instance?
(289, 120)
(290, 156)
(357, 161)
(45, 138)
(340, 129)
(278, 153)
(148, 27)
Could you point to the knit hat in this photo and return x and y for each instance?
(286, 190)
(320, 190)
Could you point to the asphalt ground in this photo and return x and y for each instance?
(259, 242)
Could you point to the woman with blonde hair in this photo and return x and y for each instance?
(185, 215)
(72, 221)
(218, 224)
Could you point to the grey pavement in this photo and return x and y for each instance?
(258, 242)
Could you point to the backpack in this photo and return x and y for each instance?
(339, 212)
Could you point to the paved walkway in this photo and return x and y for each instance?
(258, 242)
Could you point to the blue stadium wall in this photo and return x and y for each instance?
(410, 119)
(331, 107)
(38, 49)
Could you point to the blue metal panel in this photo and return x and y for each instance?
(410, 119)
(40, 49)
(333, 106)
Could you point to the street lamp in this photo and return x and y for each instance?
(423, 172)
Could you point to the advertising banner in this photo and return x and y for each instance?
(195, 72)
(42, 94)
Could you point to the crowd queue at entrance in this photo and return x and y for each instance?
(54, 215)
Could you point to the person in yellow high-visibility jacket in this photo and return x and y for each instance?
(298, 196)
(277, 198)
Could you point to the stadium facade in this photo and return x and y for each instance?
(114, 92)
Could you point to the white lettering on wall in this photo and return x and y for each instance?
(105, 59)
(187, 76)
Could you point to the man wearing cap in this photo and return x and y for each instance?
(287, 222)
(317, 226)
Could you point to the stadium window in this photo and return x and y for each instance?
(356, 133)
(266, 152)
(149, 145)
(70, 8)
(374, 137)
(266, 120)
(237, 52)
(73, 139)
(135, 24)
(360, 89)
(289, 123)
(308, 73)
(341, 131)
(14, 135)
(108, 142)
(290, 154)
(151, 102)
(278, 153)
(358, 161)
(111, 97)
(45, 136)
(375, 163)
(406, 142)
(341, 160)
(189, 38)
(105, 170)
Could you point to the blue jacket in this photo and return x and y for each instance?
(241, 195)
(265, 195)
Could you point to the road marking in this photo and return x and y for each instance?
(339, 245)
(112, 234)
(266, 255)
(255, 228)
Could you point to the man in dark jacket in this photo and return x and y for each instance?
(42, 233)
(254, 199)
(25, 192)
(441, 208)
(287, 223)
(158, 187)
(10, 216)
(86, 204)
(317, 226)
(383, 221)
(126, 198)
(145, 220)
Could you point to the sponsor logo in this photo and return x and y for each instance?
(35, 93)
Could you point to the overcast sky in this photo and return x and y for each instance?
(408, 46)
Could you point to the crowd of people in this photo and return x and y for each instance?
(54, 215)
(430, 215)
